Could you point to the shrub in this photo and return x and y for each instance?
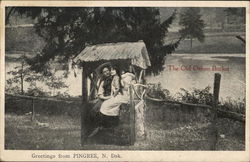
(12, 89)
(62, 95)
(36, 92)
(156, 91)
(237, 106)
(197, 96)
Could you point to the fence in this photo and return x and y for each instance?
(215, 111)
(22, 104)
(72, 106)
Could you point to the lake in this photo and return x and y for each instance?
(194, 71)
(197, 71)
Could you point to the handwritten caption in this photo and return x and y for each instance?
(196, 68)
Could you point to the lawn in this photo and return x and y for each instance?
(167, 128)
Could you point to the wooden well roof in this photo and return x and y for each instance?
(134, 51)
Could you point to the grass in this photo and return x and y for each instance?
(166, 130)
(23, 134)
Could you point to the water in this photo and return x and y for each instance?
(196, 71)
(232, 80)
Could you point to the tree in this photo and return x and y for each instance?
(21, 74)
(55, 83)
(192, 24)
(240, 14)
(68, 30)
(237, 11)
(220, 17)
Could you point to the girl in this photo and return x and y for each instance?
(116, 87)
(111, 106)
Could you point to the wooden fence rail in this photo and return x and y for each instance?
(220, 111)
(67, 100)
(33, 98)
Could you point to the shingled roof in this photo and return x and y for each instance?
(135, 51)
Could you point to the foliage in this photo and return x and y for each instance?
(37, 92)
(156, 91)
(55, 83)
(192, 24)
(62, 95)
(204, 96)
(9, 88)
(21, 74)
(238, 106)
(240, 12)
(197, 96)
(220, 15)
(68, 30)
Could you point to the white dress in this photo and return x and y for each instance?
(111, 107)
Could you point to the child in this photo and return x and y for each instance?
(116, 87)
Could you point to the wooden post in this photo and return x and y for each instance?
(214, 131)
(140, 76)
(84, 105)
(93, 86)
(132, 116)
(33, 110)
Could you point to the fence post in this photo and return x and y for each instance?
(214, 131)
(132, 116)
(93, 86)
(84, 105)
(33, 111)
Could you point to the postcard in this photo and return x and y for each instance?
(124, 81)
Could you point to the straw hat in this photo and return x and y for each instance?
(101, 67)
